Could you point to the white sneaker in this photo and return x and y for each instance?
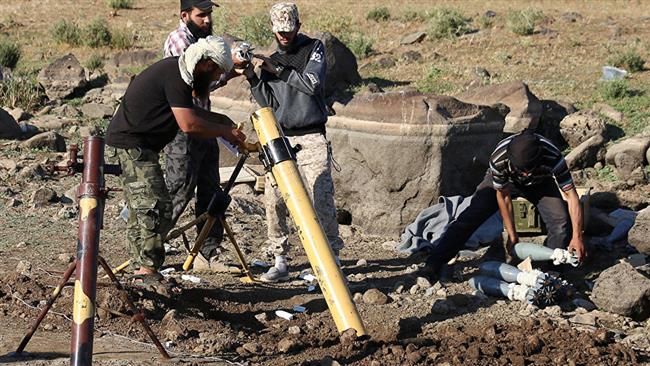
(275, 275)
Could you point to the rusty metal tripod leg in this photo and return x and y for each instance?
(137, 314)
(55, 295)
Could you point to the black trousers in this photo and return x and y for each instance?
(545, 196)
(193, 164)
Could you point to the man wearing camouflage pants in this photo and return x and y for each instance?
(292, 83)
(156, 104)
(192, 163)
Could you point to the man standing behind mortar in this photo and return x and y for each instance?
(292, 83)
(192, 163)
(156, 104)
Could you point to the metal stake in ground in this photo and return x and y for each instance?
(91, 193)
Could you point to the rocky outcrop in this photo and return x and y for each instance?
(553, 112)
(97, 110)
(639, 235)
(62, 78)
(623, 290)
(46, 140)
(578, 127)
(398, 152)
(341, 65)
(628, 156)
(525, 108)
(587, 153)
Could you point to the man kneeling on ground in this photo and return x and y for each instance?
(523, 165)
(156, 104)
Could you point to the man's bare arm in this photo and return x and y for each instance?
(504, 200)
(193, 124)
(213, 117)
(575, 212)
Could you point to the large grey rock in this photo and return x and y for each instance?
(66, 110)
(633, 146)
(628, 156)
(9, 128)
(639, 235)
(578, 127)
(553, 112)
(63, 77)
(416, 37)
(525, 108)
(342, 68)
(97, 110)
(623, 290)
(50, 122)
(608, 111)
(123, 63)
(398, 151)
(586, 154)
(46, 140)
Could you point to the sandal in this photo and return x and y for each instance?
(154, 282)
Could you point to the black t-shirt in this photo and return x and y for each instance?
(144, 118)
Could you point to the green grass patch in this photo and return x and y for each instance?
(97, 34)
(23, 91)
(95, 62)
(379, 14)
(447, 23)
(9, 53)
(255, 29)
(434, 82)
(615, 89)
(485, 22)
(121, 4)
(628, 59)
(65, 32)
(523, 22)
(122, 40)
(413, 16)
(360, 44)
(607, 174)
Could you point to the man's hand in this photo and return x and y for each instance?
(236, 137)
(577, 246)
(269, 65)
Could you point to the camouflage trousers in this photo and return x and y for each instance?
(315, 166)
(149, 204)
(193, 164)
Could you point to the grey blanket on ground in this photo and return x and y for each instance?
(431, 223)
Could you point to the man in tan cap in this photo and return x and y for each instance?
(292, 82)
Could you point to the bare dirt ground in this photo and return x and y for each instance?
(219, 320)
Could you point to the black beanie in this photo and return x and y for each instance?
(524, 151)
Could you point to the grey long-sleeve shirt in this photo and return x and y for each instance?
(297, 98)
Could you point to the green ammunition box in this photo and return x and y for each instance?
(527, 218)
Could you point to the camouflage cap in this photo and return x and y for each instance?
(284, 17)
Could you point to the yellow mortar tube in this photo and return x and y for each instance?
(319, 253)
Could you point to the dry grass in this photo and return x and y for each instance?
(564, 62)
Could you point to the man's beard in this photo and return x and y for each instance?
(196, 31)
(290, 47)
(202, 85)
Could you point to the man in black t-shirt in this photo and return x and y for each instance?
(156, 104)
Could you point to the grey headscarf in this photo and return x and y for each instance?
(214, 48)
